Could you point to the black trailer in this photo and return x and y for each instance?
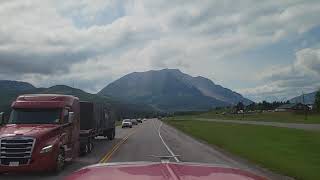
(95, 120)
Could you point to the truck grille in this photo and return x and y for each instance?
(17, 150)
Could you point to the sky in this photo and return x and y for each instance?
(265, 50)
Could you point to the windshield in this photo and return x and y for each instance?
(232, 83)
(35, 116)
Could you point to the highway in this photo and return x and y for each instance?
(145, 141)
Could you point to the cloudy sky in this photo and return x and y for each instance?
(262, 49)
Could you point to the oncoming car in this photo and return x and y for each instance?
(126, 123)
(134, 121)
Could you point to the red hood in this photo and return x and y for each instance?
(161, 171)
(33, 130)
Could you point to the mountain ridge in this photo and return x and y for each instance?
(123, 109)
(172, 90)
(309, 98)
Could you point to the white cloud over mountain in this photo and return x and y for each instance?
(282, 82)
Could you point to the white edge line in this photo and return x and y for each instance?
(164, 143)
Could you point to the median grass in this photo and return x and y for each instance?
(118, 123)
(287, 117)
(295, 153)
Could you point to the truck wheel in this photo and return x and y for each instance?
(105, 133)
(86, 149)
(111, 135)
(60, 161)
(90, 147)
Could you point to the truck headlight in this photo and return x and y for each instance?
(47, 149)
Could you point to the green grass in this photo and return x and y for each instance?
(295, 153)
(118, 123)
(287, 117)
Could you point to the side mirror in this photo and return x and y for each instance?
(2, 118)
(70, 117)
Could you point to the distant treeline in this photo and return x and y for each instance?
(264, 105)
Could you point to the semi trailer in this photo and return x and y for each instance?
(44, 132)
(95, 120)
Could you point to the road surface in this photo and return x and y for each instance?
(145, 141)
(308, 127)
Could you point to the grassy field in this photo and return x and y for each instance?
(287, 117)
(118, 123)
(295, 153)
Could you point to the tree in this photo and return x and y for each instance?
(317, 101)
(240, 106)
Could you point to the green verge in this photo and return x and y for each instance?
(118, 123)
(295, 153)
(287, 117)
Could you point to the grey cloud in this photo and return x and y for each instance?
(44, 39)
(309, 59)
(50, 63)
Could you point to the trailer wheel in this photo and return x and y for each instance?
(86, 149)
(60, 161)
(90, 146)
(105, 133)
(111, 135)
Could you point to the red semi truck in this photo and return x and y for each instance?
(42, 133)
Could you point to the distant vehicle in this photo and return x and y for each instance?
(126, 123)
(139, 120)
(134, 122)
(163, 171)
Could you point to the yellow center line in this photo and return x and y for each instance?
(115, 148)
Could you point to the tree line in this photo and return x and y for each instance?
(317, 100)
(264, 105)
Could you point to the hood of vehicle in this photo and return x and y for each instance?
(162, 171)
(33, 130)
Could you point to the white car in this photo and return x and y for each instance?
(126, 123)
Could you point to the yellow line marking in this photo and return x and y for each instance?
(115, 148)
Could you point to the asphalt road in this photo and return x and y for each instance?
(147, 140)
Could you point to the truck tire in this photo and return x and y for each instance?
(86, 149)
(111, 134)
(60, 161)
(90, 147)
(105, 133)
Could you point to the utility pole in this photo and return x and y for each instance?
(304, 107)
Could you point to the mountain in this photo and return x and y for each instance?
(209, 88)
(171, 90)
(308, 98)
(11, 89)
(15, 86)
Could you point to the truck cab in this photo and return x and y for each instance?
(41, 134)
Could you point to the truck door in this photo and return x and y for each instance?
(68, 134)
